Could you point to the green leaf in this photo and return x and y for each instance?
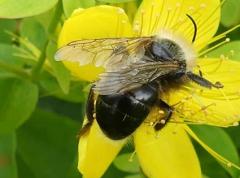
(135, 176)
(24, 8)
(7, 26)
(209, 165)
(230, 13)
(115, 1)
(75, 111)
(70, 5)
(61, 73)
(47, 144)
(234, 132)
(44, 20)
(23, 170)
(127, 162)
(51, 87)
(219, 141)
(33, 31)
(8, 167)
(18, 100)
(73, 172)
(230, 50)
(8, 54)
(87, 3)
(112, 171)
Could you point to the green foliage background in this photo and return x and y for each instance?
(42, 106)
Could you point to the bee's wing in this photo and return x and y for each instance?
(106, 52)
(132, 76)
(123, 58)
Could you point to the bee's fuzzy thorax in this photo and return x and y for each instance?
(189, 53)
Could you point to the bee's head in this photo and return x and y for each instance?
(166, 50)
(168, 46)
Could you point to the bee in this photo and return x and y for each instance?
(137, 72)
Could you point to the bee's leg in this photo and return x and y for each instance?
(202, 81)
(200, 71)
(90, 105)
(168, 113)
(89, 112)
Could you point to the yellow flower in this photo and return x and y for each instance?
(168, 153)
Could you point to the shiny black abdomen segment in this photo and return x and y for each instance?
(121, 114)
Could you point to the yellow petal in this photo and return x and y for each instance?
(130, 8)
(92, 23)
(96, 152)
(218, 107)
(170, 15)
(168, 153)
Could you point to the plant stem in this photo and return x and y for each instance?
(14, 70)
(37, 68)
(51, 29)
(56, 18)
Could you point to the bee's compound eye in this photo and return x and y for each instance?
(161, 51)
(165, 49)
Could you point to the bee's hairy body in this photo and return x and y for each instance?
(138, 70)
(119, 115)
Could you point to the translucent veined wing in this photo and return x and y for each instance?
(107, 52)
(126, 64)
(133, 76)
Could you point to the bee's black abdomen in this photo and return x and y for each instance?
(120, 115)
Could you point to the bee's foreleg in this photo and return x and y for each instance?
(168, 113)
(202, 81)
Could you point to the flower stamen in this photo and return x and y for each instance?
(210, 150)
(156, 23)
(206, 30)
(151, 17)
(142, 20)
(222, 35)
(131, 158)
(173, 15)
(236, 124)
(182, 101)
(166, 20)
(232, 52)
(195, 13)
(222, 57)
(136, 28)
(179, 6)
(119, 19)
(123, 22)
(205, 26)
(229, 103)
(157, 19)
(214, 47)
(204, 22)
(161, 112)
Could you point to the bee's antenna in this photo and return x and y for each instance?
(195, 27)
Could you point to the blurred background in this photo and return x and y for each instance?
(42, 105)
